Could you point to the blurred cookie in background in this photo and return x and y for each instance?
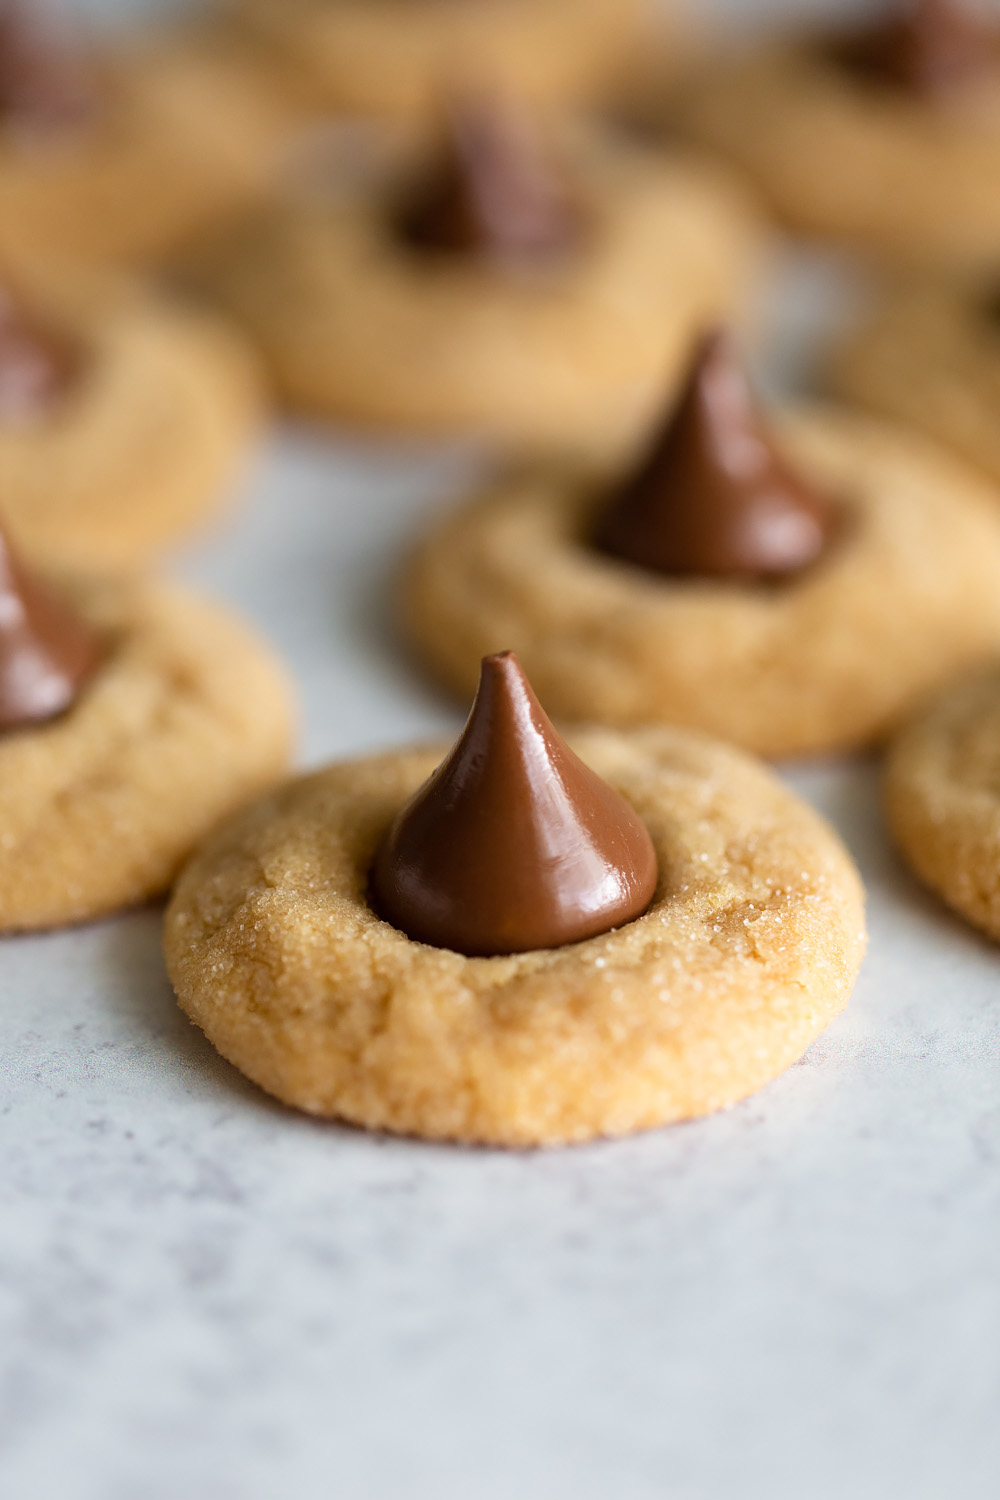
(519, 941)
(133, 716)
(119, 153)
(124, 418)
(533, 283)
(884, 136)
(929, 355)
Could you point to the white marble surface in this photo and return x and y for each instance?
(204, 1296)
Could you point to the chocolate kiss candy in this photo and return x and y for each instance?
(34, 369)
(43, 82)
(715, 497)
(927, 48)
(46, 653)
(494, 194)
(513, 843)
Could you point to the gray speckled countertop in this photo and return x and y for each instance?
(205, 1296)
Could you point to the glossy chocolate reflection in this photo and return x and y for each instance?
(715, 497)
(495, 193)
(45, 84)
(36, 367)
(929, 47)
(47, 653)
(513, 843)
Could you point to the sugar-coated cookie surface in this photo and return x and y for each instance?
(825, 660)
(751, 946)
(147, 439)
(929, 355)
(357, 327)
(188, 715)
(942, 795)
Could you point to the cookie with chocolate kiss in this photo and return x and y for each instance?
(544, 278)
(821, 124)
(522, 940)
(792, 582)
(125, 418)
(132, 718)
(47, 653)
(86, 130)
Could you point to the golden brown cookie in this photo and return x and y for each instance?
(942, 795)
(750, 948)
(829, 659)
(179, 142)
(854, 160)
(187, 716)
(929, 355)
(386, 58)
(145, 439)
(358, 327)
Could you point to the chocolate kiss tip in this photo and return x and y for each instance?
(715, 498)
(513, 844)
(495, 192)
(46, 653)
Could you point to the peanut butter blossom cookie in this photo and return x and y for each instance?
(119, 157)
(886, 137)
(929, 355)
(123, 420)
(398, 57)
(536, 288)
(132, 718)
(792, 591)
(943, 797)
(529, 944)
